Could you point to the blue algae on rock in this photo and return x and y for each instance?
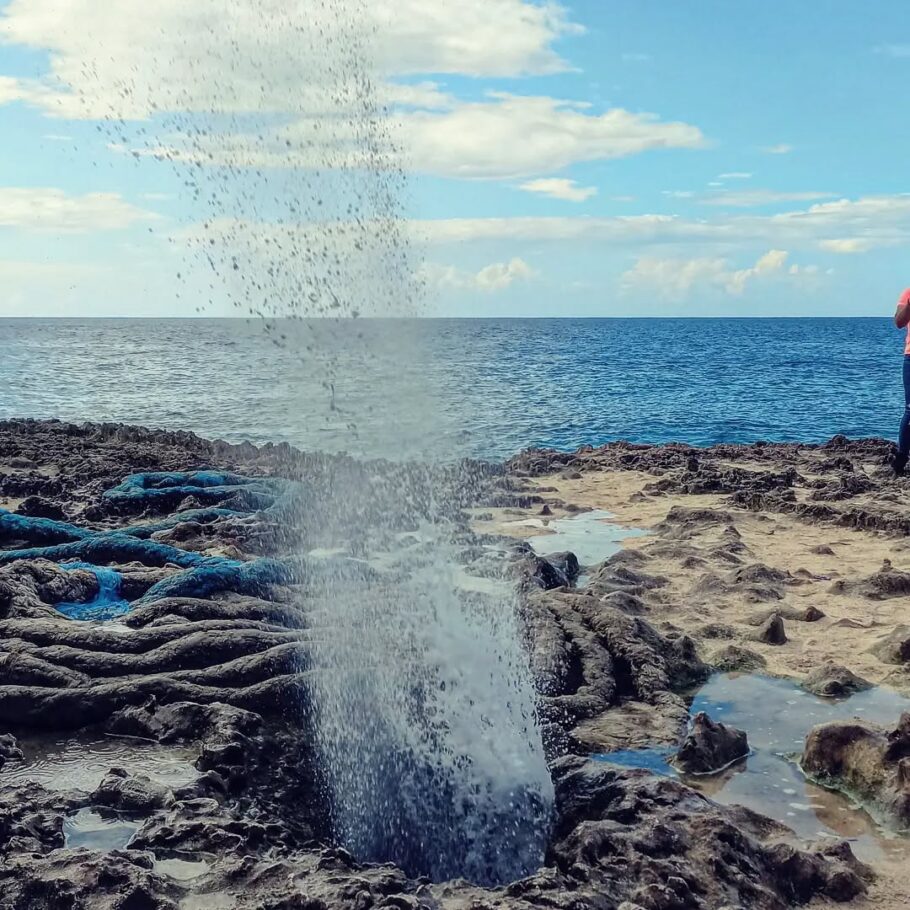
(107, 603)
(203, 576)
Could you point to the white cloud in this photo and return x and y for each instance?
(56, 137)
(780, 149)
(559, 188)
(679, 194)
(510, 136)
(50, 209)
(131, 58)
(846, 245)
(898, 51)
(422, 94)
(333, 70)
(504, 137)
(875, 220)
(735, 175)
(750, 198)
(675, 280)
(495, 277)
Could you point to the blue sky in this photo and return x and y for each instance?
(576, 159)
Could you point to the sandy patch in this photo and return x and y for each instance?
(699, 568)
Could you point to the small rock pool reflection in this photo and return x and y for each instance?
(79, 762)
(777, 714)
(99, 829)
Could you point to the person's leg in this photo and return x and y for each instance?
(903, 444)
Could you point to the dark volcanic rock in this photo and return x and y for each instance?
(545, 574)
(895, 647)
(734, 659)
(710, 746)
(804, 614)
(9, 749)
(866, 761)
(886, 583)
(39, 507)
(834, 681)
(229, 672)
(567, 563)
(82, 880)
(138, 793)
(612, 576)
(771, 631)
(651, 841)
(184, 722)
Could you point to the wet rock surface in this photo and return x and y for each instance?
(833, 681)
(710, 746)
(869, 762)
(226, 666)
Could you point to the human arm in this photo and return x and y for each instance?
(902, 314)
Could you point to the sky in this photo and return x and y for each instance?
(513, 158)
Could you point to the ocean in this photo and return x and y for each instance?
(451, 388)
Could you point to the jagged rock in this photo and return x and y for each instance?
(651, 841)
(81, 880)
(545, 574)
(184, 722)
(31, 818)
(886, 583)
(204, 664)
(710, 746)
(834, 681)
(128, 793)
(771, 631)
(734, 659)
(796, 614)
(566, 563)
(865, 760)
(39, 507)
(625, 602)
(895, 647)
(718, 630)
(9, 749)
(612, 577)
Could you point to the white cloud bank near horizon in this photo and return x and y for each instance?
(164, 64)
(52, 209)
(675, 280)
(491, 278)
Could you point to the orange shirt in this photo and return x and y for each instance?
(905, 301)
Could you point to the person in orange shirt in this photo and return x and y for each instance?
(902, 320)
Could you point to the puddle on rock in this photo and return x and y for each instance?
(107, 603)
(214, 901)
(182, 870)
(777, 714)
(80, 762)
(102, 830)
(591, 536)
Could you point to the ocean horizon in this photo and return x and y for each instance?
(492, 386)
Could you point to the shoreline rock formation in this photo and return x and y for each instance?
(214, 653)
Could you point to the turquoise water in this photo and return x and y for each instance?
(107, 603)
(494, 386)
(777, 714)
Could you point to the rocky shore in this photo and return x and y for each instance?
(153, 598)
